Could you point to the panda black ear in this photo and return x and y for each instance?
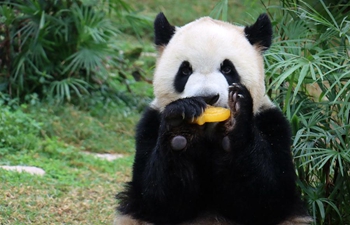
(260, 33)
(163, 31)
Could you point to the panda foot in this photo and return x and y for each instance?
(178, 143)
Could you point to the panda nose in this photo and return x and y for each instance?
(211, 99)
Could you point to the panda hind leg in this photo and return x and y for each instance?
(299, 220)
(128, 220)
(201, 220)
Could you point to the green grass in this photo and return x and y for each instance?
(183, 11)
(110, 131)
(76, 189)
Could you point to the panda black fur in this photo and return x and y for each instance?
(235, 172)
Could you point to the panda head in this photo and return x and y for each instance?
(205, 56)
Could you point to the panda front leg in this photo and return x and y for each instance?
(167, 179)
(254, 174)
(239, 127)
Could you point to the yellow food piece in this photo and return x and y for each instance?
(213, 114)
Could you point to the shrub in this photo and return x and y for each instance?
(62, 48)
(18, 131)
(308, 71)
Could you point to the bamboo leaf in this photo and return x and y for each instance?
(42, 20)
(321, 208)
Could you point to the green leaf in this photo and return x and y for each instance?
(321, 208)
(42, 20)
(220, 8)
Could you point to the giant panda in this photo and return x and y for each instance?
(239, 171)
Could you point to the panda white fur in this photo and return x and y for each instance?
(235, 172)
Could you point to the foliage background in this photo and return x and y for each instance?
(75, 75)
(308, 76)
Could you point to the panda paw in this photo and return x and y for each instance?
(240, 101)
(186, 109)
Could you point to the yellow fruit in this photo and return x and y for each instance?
(213, 114)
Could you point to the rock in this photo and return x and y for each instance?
(28, 169)
(105, 156)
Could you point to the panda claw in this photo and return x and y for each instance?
(237, 107)
(234, 85)
(240, 101)
(234, 97)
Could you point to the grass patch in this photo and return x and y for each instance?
(76, 189)
(186, 11)
(109, 131)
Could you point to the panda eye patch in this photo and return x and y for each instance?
(181, 78)
(226, 67)
(229, 71)
(185, 68)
